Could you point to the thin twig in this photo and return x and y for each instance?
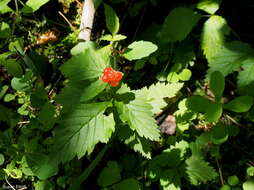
(64, 17)
(220, 172)
(232, 119)
(9, 183)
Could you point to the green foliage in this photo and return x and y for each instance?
(199, 171)
(110, 174)
(63, 123)
(209, 6)
(33, 5)
(139, 49)
(178, 24)
(213, 36)
(112, 21)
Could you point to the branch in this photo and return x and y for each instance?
(87, 17)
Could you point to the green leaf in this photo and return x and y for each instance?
(47, 116)
(140, 144)
(199, 171)
(240, 104)
(138, 115)
(185, 75)
(219, 134)
(21, 84)
(112, 21)
(41, 165)
(9, 97)
(157, 92)
(139, 49)
(43, 185)
(13, 67)
(249, 184)
(5, 30)
(213, 36)
(3, 90)
(82, 46)
(245, 79)
(4, 6)
(127, 184)
(114, 38)
(209, 6)
(92, 90)
(211, 110)
(84, 66)
(81, 128)
(110, 174)
(230, 57)
(233, 180)
(178, 24)
(217, 84)
(1, 159)
(33, 5)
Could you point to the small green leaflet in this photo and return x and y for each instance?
(112, 21)
(217, 84)
(240, 104)
(199, 171)
(211, 110)
(128, 184)
(33, 5)
(209, 6)
(212, 39)
(114, 38)
(157, 92)
(249, 184)
(138, 115)
(81, 129)
(5, 30)
(245, 79)
(178, 24)
(139, 49)
(4, 6)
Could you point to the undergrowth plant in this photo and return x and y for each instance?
(159, 111)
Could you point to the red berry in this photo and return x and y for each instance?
(114, 83)
(118, 76)
(107, 70)
(105, 78)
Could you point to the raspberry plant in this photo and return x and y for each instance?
(142, 102)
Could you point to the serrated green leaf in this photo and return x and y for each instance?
(230, 57)
(249, 184)
(211, 110)
(81, 128)
(112, 21)
(33, 5)
(85, 66)
(212, 39)
(82, 46)
(4, 6)
(127, 184)
(245, 79)
(157, 92)
(209, 6)
(199, 171)
(240, 104)
(139, 144)
(110, 174)
(178, 24)
(138, 115)
(217, 84)
(139, 49)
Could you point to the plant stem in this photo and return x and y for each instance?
(220, 172)
(88, 171)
